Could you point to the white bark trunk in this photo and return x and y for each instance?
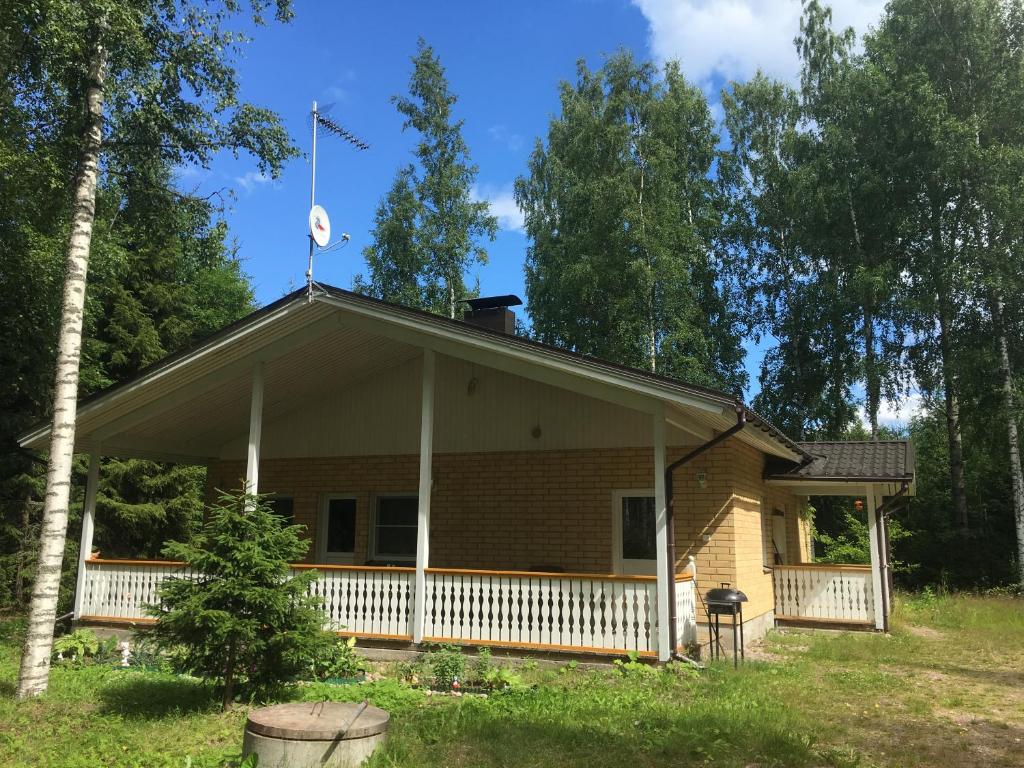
(35, 661)
(1013, 439)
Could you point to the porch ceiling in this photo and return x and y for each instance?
(211, 404)
(187, 406)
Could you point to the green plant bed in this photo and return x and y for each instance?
(344, 680)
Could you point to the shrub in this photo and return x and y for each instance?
(244, 620)
(76, 646)
(633, 667)
(501, 679)
(338, 658)
(147, 655)
(482, 664)
(447, 665)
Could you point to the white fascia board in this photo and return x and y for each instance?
(841, 487)
(529, 359)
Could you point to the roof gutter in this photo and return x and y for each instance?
(741, 421)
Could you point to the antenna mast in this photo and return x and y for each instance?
(318, 217)
(312, 202)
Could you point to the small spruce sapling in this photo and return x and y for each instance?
(244, 620)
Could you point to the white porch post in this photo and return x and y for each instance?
(426, 480)
(88, 525)
(252, 465)
(661, 535)
(876, 558)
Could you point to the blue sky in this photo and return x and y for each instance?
(504, 62)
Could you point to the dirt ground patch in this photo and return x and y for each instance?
(929, 633)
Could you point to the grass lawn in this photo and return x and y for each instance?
(946, 688)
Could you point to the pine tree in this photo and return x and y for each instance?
(428, 228)
(242, 619)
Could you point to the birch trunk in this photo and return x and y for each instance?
(872, 384)
(1016, 475)
(35, 661)
(956, 451)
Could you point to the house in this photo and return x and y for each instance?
(461, 483)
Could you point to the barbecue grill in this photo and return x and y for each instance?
(724, 600)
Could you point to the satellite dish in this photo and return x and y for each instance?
(319, 226)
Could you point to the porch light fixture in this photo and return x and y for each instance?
(702, 479)
(858, 505)
(536, 432)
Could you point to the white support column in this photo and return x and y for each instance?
(877, 587)
(661, 535)
(252, 464)
(92, 482)
(426, 481)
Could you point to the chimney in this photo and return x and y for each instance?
(493, 312)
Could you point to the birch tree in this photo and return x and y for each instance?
(623, 220)
(429, 228)
(164, 71)
(35, 660)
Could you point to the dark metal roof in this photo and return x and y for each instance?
(849, 460)
(493, 302)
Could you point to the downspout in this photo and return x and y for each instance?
(882, 531)
(741, 420)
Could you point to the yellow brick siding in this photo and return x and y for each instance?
(529, 509)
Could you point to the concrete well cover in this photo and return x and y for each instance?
(317, 721)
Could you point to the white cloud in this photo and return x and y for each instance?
(502, 135)
(338, 92)
(251, 179)
(190, 172)
(502, 202)
(892, 414)
(733, 38)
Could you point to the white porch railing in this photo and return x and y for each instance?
(121, 589)
(837, 594)
(561, 611)
(686, 611)
(555, 611)
(365, 601)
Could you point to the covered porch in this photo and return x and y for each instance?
(845, 595)
(457, 485)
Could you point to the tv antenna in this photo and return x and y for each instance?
(319, 222)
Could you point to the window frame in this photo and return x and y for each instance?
(322, 555)
(373, 552)
(631, 566)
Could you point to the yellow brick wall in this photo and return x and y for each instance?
(522, 510)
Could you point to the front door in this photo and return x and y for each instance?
(633, 524)
(336, 539)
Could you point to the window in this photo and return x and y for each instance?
(634, 522)
(283, 507)
(395, 528)
(336, 537)
(638, 535)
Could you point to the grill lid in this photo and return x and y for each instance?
(725, 594)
